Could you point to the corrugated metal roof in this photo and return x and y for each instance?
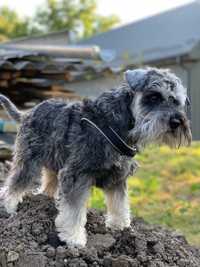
(162, 36)
(22, 59)
(6, 53)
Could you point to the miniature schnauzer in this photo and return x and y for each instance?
(92, 142)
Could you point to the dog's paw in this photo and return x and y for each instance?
(3, 192)
(11, 202)
(117, 223)
(77, 239)
(72, 235)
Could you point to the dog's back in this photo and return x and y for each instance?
(44, 132)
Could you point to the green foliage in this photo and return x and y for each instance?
(166, 189)
(11, 25)
(80, 17)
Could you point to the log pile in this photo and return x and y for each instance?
(30, 76)
(32, 85)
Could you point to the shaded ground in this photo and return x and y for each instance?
(28, 239)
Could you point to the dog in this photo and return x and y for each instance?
(76, 145)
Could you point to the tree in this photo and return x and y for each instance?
(11, 25)
(78, 16)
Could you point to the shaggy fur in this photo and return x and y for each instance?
(148, 107)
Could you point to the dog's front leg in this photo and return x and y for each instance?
(118, 213)
(71, 219)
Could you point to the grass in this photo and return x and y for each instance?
(166, 189)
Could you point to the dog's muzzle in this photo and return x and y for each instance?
(175, 121)
(179, 129)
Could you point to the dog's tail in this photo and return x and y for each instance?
(10, 108)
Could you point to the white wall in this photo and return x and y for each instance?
(94, 88)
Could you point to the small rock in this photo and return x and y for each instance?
(3, 258)
(91, 255)
(107, 261)
(60, 253)
(183, 263)
(101, 241)
(157, 264)
(32, 260)
(159, 248)
(12, 256)
(77, 263)
(59, 264)
(124, 261)
(72, 252)
(82, 263)
(19, 247)
(51, 252)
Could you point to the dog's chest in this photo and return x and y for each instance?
(116, 174)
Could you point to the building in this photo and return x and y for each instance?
(53, 38)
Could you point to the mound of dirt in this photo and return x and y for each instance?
(28, 239)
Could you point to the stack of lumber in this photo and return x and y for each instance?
(30, 74)
(33, 85)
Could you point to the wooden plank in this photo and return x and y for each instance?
(5, 75)
(8, 75)
(66, 76)
(3, 83)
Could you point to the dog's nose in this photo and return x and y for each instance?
(175, 122)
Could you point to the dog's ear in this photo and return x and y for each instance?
(135, 78)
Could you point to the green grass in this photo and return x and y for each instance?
(166, 189)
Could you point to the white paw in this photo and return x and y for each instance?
(3, 192)
(70, 224)
(117, 223)
(78, 240)
(11, 202)
(73, 238)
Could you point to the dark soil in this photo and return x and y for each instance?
(28, 239)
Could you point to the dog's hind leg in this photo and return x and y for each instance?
(118, 214)
(71, 219)
(49, 182)
(19, 181)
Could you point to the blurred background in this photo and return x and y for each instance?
(80, 48)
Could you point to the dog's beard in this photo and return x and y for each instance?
(181, 137)
(154, 128)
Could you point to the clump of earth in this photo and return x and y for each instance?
(29, 239)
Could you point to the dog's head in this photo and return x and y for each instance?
(158, 107)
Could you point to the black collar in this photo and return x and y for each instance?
(114, 139)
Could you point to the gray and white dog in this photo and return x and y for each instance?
(72, 155)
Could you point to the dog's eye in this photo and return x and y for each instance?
(174, 101)
(155, 98)
(152, 99)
